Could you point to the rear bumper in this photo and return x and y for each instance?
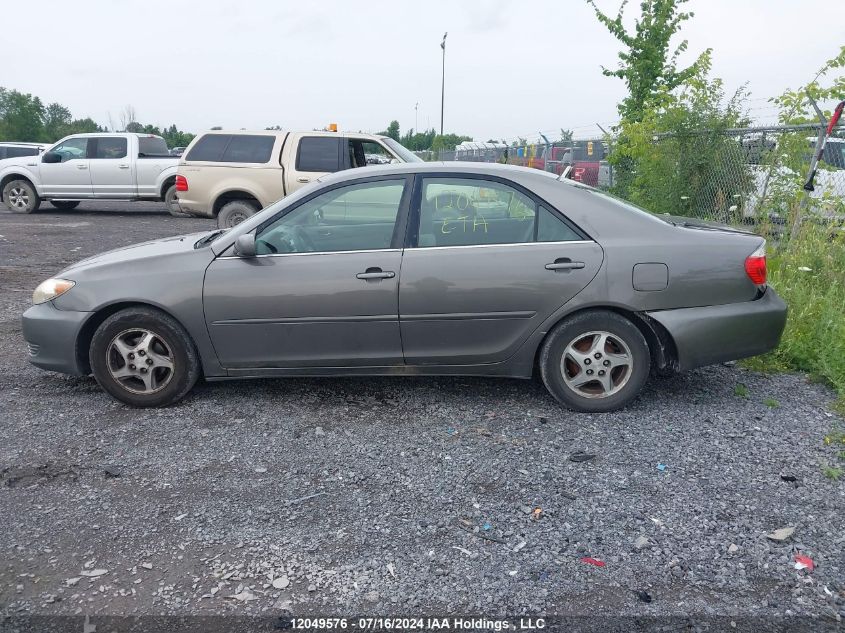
(715, 334)
(193, 207)
(51, 336)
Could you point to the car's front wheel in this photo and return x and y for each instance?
(20, 196)
(595, 361)
(144, 358)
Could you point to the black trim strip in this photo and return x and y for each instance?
(467, 316)
(309, 320)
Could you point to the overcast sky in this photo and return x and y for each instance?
(513, 67)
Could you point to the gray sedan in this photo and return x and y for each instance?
(416, 269)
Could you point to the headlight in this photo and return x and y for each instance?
(51, 289)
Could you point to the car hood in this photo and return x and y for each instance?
(19, 161)
(136, 252)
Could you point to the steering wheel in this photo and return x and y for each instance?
(303, 239)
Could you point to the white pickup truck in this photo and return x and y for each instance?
(108, 166)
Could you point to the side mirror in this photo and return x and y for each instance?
(51, 157)
(245, 245)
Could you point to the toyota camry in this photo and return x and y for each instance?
(416, 269)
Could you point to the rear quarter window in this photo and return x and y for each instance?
(209, 148)
(249, 148)
(318, 153)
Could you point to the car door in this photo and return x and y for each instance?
(315, 156)
(485, 266)
(323, 287)
(112, 172)
(71, 177)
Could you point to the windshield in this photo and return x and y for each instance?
(401, 151)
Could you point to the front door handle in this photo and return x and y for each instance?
(564, 263)
(123, 166)
(81, 166)
(376, 273)
(303, 179)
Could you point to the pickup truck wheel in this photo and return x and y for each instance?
(172, 203)
(20, 196)
(235, 212)
(65, 205)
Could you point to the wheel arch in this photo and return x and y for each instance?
(86, 332)
(166, 184)
(7, 178)
(233, 194)
(661, 345)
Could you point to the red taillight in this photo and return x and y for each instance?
(755, 266)
(181, 183)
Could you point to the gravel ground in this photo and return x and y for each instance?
(396, 495)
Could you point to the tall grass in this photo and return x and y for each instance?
(809, 273)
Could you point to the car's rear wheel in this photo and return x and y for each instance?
(65, 205)
(172, 203)
(595, 361)
(235, 212)
(144, 358)
(20, 196)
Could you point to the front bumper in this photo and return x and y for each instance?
(51, 336)
(715, 334)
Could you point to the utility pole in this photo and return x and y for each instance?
(416, 117)
(443, 82)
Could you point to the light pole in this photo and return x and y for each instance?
(443, 82)
(417, 117)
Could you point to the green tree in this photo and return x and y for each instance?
(686, 163)
(645, 64)
(392, 130)
(565, 135)
(57, 122)
(21, 117)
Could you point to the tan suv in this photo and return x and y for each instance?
(231, 175)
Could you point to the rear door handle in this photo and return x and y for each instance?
(376, 273)
(564, 263)
(303, 179)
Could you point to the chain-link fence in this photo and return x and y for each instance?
(735, 176)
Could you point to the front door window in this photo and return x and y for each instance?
(352, 218)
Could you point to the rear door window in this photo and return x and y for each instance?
(478, 212)
(318, 153)
(209, 148)
(249, 148)
(109, 147)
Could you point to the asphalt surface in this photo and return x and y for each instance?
(399, 496)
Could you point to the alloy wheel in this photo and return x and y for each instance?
(596, 364)
(140, 361)
(18, 198)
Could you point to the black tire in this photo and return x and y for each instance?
(235, 212)
(20, 196)
(177, 346)
(172, 203)
(65, 205)
(582, 330)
